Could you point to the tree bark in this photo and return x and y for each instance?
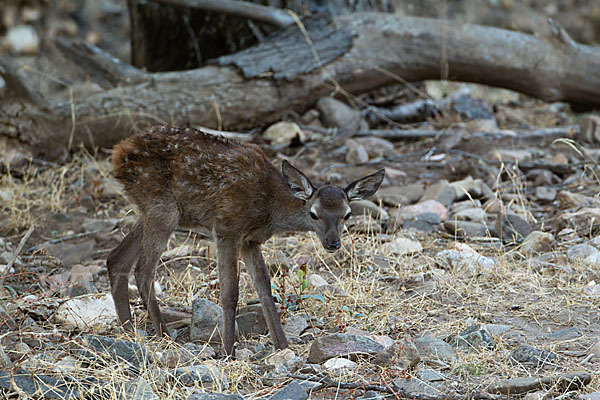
(385, 49)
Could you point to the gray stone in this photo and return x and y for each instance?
(363, 224)
(575, 200)
(336, 114)
(426, 222)
(356, 154)
(471, 214)
(402, 246)
(81, 288)
(403, 354)
(292, 391)
(589, 396)
(565, 334)
(207, 321)
(100, 225)
(473, 338)
(377, 147)
(537, 242)
(200, 375)
(584, 253)
(340, 345)
(34, 384)
(466, 228)
(514, 227)
(406, 194)
(99, 348)
(471, 108)
(529, 355)
(545, 194)
(464, 263)
(441, 191)
(399, 216)
(565, 382)
(392, 196)
(463, 205)
(138, 389)
(295, 325)
(434, 348)
(367, 207)
(70, 254)
(251, 320)
(467, 189)
(431, 375)
(496, 329)
(584, 221)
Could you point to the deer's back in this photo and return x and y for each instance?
(210, 179)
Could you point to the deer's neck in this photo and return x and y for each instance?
(288, 213)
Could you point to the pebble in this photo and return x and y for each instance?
(402, 246)
(284, 134)
(378, 147)
(250, 319)
(403, 354)
(371, 395)
(336, 114)
(537, 242)
(23, 39)
(214, 396)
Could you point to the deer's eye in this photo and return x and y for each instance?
(347, 216)
(313, 216)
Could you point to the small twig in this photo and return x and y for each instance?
(20, 247)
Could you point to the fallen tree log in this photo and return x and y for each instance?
(385, 49)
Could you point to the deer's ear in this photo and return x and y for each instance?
(364, 187)
(298, 183)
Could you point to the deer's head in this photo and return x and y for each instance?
(327, 207)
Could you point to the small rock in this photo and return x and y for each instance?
(463, 205)
(537, 242)
(292, 391)
(111, 189)
(592, 290)
(590, 128)
(251, 320)
(138, 389)
(99, 225)
(472, 108)
(467, 189)
(431, 375)
(399, 216)
(35, 383)
(514, 228)
(426, 222)
(316, 281)
(335, 364)
(560, 159)
(565, 334)
(529, 355)
(441, 192)
(510, 155)
(5, 362)
(464, 263)
(200, 375)
(341, 345)
(471, 214)
(496, 329)
(466, 228)
(436, 349)
(182, 251)
(207, 321)
(94, 312)
(584, 253)
(335, 114)
(575, 200)
(545, 194)
(99, 348)
(583, 221)
(535, 396)
(377, 147)
(474, 337)
(367, 207)
(23, 39)
(282, 357)
(81, 289)
(564, 382)
(295, 325)
(402, 246)
(284, 133)
(594, 351)
(356, 154)
(392, 196)
(404, 355)
(593, 395)
(70, 254)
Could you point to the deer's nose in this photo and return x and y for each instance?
(332, 244)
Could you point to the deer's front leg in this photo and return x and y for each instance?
(227, 260)
(257, 268)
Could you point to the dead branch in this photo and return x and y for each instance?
(221, 93)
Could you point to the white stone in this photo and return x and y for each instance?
(93, 312)
(339, 363)
(316, 281)
(23, 39)
(402, 246)
(283, 133)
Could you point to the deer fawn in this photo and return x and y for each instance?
(185, 177)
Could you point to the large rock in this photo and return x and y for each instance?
(586, 221)
(537, 242)
(98, 348)
(575, 200)
(251, 320)
(33, 384)
(340, 345)
(292, 391)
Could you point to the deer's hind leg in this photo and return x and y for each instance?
(119, 263)
(158, 226)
